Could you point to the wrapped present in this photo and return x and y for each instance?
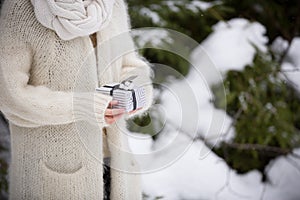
(128, 96)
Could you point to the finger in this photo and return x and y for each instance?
(133, 111)
(112, 112)
(113, 103)
(111, 120)
(116, 117)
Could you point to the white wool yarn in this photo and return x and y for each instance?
(73, 18)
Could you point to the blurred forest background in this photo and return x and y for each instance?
(261, 134)
(262, 99)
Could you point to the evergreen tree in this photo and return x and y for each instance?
(265, 108)
(267, 121)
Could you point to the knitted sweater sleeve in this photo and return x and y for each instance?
(133, 64)
(32, 106)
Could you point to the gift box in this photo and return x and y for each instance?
(128, 96)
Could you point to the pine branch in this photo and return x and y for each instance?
(259, 147)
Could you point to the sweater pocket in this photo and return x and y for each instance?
(83, 184)
(60, 185)
(76, 170)
(62, 150)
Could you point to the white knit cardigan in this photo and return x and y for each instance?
(56, 154)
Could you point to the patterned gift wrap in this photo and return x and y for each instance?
(129, 99)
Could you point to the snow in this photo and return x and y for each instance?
(154, 16)
(152, 37)
(188, 101)
(169, 181)
(172, 5)
(192, 176)
(176, 167)
(284, 176)
(189, 108)
(198, 176)
(291, 63)
(231, 45)
(279, 45)
(212, 122)
(195, 5)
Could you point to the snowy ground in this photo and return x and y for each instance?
(194, 178)
(199, 173)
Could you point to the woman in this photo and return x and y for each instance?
(46, 78)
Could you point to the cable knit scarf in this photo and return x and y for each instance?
(73, 18)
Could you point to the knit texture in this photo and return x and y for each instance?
(47, 88)
(71, 19)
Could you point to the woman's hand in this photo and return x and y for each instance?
(112, 115)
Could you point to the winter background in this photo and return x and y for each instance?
(230, 46)
(250, 159)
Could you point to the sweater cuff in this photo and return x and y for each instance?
(91, 107)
